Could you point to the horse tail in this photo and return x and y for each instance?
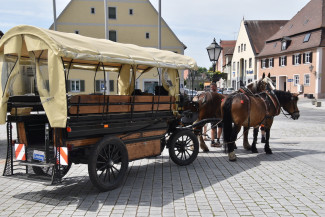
(227, 120)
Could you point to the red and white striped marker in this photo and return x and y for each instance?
(63, 156)
(20, 151)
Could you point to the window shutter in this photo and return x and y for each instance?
(285, 60)
(82, 85)
(299, 58)
(293, 59)
(311, 57)
(279, 61)
(68, 85)
(97, 85)
(111, 85)
(261, 63)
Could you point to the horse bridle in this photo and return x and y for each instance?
(288, 113)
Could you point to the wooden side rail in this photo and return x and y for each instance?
(98, 104)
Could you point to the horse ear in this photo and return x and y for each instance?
(269, 75)
(263, 75)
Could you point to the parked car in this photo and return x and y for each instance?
(228, 90)
(190, 93)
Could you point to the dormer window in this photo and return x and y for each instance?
(285, 43)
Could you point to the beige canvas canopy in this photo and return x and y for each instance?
(58, 49)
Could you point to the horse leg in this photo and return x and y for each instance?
(231, 144)
(245, 140)
(203, 146)
(255, 134)
(267, 148)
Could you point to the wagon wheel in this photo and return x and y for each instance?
(47, 171)
(108, 164)
(183, 147)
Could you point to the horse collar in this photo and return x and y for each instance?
(275, 101)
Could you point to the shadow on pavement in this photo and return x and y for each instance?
(158, 183)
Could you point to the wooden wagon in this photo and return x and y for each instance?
(60, 122)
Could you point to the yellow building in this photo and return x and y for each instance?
(129, 21)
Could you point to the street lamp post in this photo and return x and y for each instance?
(214, 51)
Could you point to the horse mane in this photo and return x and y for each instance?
(283, 96)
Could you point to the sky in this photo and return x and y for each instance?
(195, 22)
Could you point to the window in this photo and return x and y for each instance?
(296, 80)
(112, 35)
(238, 49)
(250, 62)
(92, 10)
(111, 13)
(271, 62)
(307, 37)
(296, 59)
(234, 66)
(307, 79)
(131, 11)
(111, 85)
(147, 35)
(244, 47)
(283, 61)
(241, 48)
(307, 58)
(263, 63)
(76, 31)
(76, 85)
(100, 86)
(284, 45)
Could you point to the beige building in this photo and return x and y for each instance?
(250, 41)
(129, 21)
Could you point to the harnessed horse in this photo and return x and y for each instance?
(208, 105)
(251, 110)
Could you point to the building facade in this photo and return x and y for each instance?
(295, 54)
(250, 41)
(225, 60)
(129, 21)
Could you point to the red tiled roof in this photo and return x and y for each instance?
(260, 30)
(310, 19)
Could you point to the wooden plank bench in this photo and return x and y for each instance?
(96, 104)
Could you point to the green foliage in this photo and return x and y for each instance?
(201, 85)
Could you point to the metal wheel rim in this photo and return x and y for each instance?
(184, 147)
(109, 164)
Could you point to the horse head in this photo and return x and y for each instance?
(289, 103)
(265, 83)
(191, 112)
(262, 84)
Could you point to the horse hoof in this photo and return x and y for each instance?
(254, 150)
(247, 147)
(206, 150)
(232, 156)
(269, 151)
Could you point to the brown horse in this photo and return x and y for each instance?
(208, 105)
(255, 87)
(240, 109)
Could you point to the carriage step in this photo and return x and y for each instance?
(36, 164)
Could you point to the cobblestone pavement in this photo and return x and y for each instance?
(291, 182)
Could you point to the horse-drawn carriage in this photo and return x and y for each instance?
(43, 73)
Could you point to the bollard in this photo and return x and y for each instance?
(313, 102)
(318, 104)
